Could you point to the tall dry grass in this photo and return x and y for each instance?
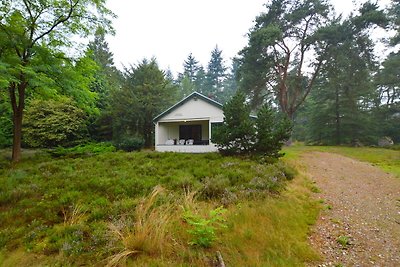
(149, 233)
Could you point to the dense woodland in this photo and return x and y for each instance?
(317, 67)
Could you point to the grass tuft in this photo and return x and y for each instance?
(147, 234)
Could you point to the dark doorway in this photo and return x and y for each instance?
(190, 132)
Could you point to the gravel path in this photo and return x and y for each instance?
(360, 223)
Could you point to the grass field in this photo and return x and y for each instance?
(153, 209)
(386, 159)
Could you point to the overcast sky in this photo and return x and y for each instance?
(171, 29)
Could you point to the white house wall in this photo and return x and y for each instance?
(195, 108)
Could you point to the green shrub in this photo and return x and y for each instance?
(85, 149)
(5, 124)
(203, 230)
(130, 143)
(53, 123)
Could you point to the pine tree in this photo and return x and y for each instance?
(272, 132)
(340, 107)
(230, 83)
(145, 93)
(216, 73)
(190, 67)
(108, 78)
(237, 133)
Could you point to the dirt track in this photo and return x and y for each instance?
(362, 208)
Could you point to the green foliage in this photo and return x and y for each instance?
(54, 123)
(186, 87)
(344, 241)
(191, 67)
(32, 34)
(272, 132)
(242, 134)
(237, 134)
(394, 16)
(386, 113)
(129, 143)
(272, 64)
(5, 124)
(339, 110)
(82, 150)
(107, 79)
(203, 230)
(216, 72)
(146, 92)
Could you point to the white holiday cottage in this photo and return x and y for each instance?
(188, 125)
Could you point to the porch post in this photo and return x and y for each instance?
(156, 135)
(209, 131)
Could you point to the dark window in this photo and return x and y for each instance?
(190, 132)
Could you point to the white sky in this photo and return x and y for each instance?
(171, 29)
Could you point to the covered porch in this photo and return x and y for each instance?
(191, 136)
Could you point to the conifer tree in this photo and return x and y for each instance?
(237, 133)
(216, 73)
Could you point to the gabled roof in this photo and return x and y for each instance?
(186, 99)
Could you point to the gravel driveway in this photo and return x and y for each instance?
(360, 223)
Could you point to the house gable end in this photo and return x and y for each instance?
(195, 106)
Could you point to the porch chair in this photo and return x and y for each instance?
(189, 142)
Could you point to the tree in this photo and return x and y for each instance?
(394, 15)
(241, 133)
(282, 51)
(191, 67)
(28, 29)
(340, 109)
(237, 133)
(388, 80)
(230, 84)
(272, 132)
(200, 83)
(144, 94)
(216, 73)
(193, 77)
(186, 87)
(107, 78)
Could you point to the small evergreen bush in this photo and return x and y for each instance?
(130, 143)
(241, 133)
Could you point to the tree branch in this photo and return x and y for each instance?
(58, 21)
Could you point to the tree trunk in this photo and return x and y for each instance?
(17, 98)
(17, 136)
(337, 119)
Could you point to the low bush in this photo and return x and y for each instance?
(129, 143)
(81, 150)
